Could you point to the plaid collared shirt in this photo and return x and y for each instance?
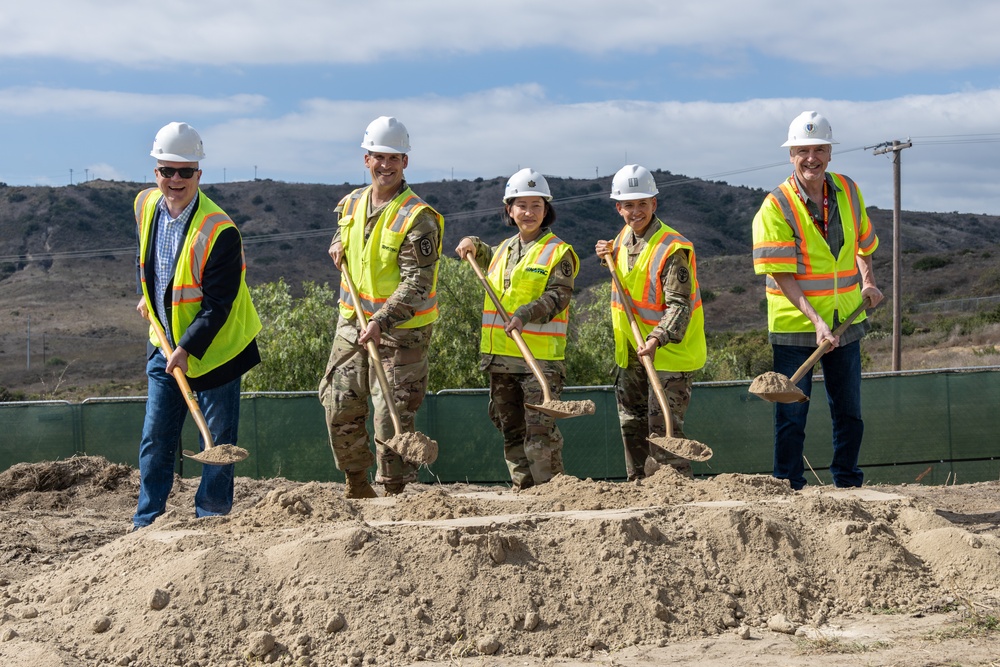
(169, 238)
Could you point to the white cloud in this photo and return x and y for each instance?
(846, 37)
(494, 132)
(112, 104)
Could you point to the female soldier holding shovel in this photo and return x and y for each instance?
(533, 273)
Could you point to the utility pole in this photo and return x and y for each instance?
(896, 147)
(86, 175)
(71, 176)
(255, 172)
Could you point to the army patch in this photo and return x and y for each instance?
(567, 268)
(682, 275)
(425, 246)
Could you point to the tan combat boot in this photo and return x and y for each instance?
(358, 486)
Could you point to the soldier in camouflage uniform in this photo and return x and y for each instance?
(390, 241)
(532, 272)
(657, 267)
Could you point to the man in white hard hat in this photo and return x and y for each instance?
(813, 240)
(191, 274)
(389, 240)
(658, 269)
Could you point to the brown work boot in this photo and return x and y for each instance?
(358, 486)
(394, 489)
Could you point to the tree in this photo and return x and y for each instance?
(296, 337)
(590, 348)
(455, 341)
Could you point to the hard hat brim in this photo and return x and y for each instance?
(530, 193)
(633, 195)
(383, 149)
(807, 142)
(174, 157)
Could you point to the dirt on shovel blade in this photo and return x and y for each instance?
(414, 447)
(574, 408)
(776, 388)
(688, 449)
(219, 455)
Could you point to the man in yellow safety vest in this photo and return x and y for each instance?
(813, 240)
(390, 241)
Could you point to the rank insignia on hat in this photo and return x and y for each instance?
(531, 184)
(809, 128)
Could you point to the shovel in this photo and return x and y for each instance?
(215, 455)
(554, 409)
(414, 447)
(777, 388)
(688, 449)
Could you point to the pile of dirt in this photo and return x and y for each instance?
(572, 569)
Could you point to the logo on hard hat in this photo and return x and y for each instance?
(633, 182)
(810, 127)
(531, 184)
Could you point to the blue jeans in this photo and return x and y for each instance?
(842, 377)
(165, 414)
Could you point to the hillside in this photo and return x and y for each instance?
(67, 259)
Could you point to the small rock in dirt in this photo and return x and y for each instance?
(743, 632)
(778, 623)
(8, 634)
(531, 620)
(30, 612)
(336, 623)
(100, 624)
(261, 643)
(158, 599)
(487, 645)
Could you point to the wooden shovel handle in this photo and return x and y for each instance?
(516, 335)
(825, 345)
(383, 381)
(189, 396)
(647, 362)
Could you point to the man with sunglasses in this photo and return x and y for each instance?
(192, 276)
(390, 241)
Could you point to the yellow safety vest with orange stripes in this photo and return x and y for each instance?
(374, 265)
(528, 279)
(207, 222)
(646, 299)
(785, 240)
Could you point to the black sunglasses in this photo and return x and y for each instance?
(183, 172)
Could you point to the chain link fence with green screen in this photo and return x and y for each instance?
(931, 427)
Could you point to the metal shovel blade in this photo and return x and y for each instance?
(776, 388)
(414, 447)
(219, 455)
(684, 448)
(564, 409)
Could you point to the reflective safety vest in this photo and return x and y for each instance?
(645, 287)
(785, 240)
(207, 222)
(374, 265)
(527, 283)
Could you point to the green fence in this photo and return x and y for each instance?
(941, 425)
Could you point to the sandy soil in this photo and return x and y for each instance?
(733, 570)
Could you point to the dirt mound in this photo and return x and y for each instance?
(93, 471)
(571, 569)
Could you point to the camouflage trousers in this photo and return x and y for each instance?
(532, 443)
(640, 415)
(344, 390)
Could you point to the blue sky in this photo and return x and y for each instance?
(285, 89)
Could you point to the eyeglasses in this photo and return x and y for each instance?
(183, 172)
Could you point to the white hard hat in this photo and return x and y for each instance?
(527, 183)
(633, 182)
(178, 142)
(385, 134)
(809, 129)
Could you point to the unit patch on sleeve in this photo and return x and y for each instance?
(567, 268)
(426, 247)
